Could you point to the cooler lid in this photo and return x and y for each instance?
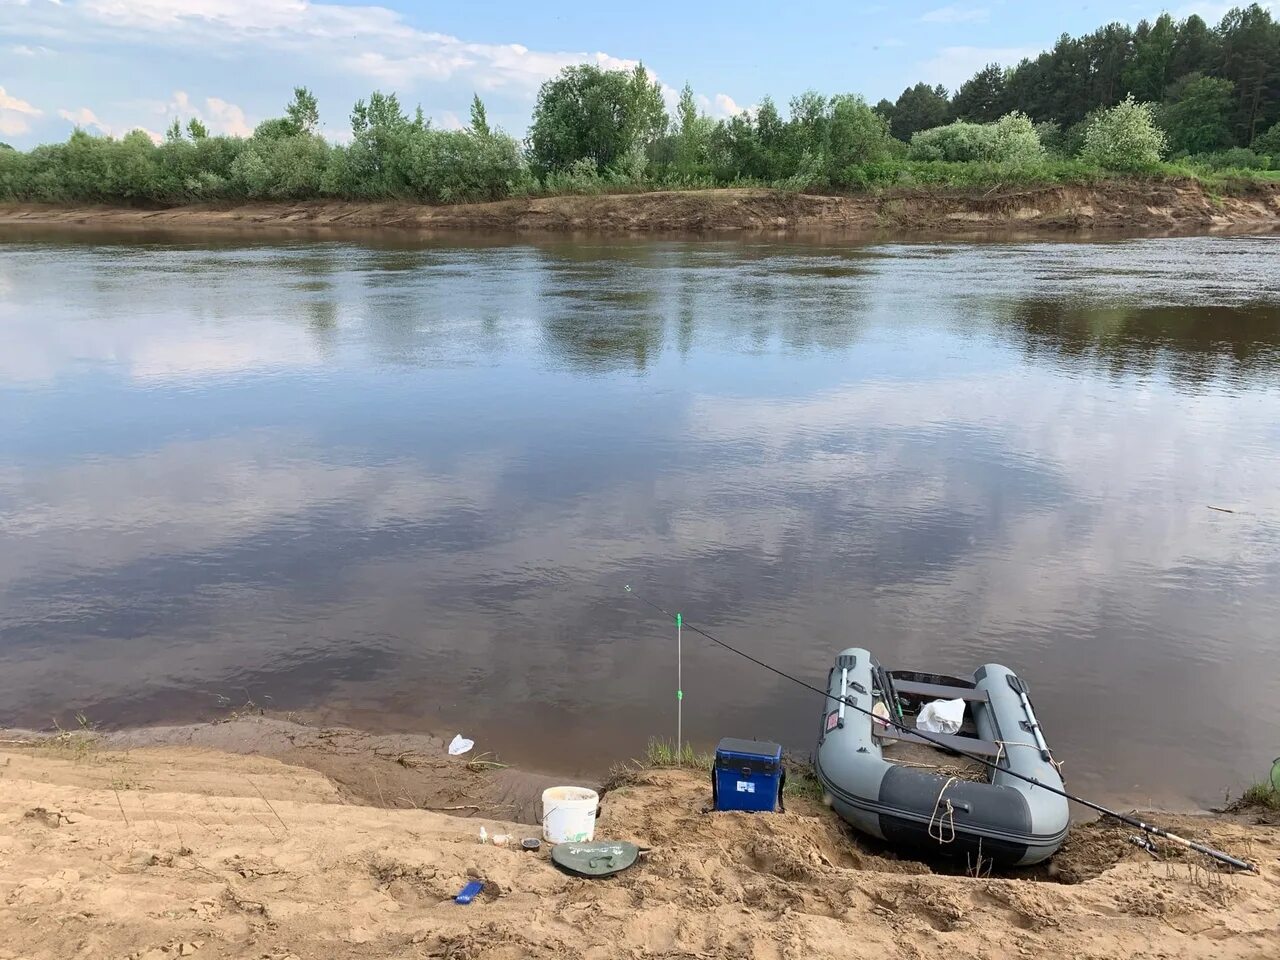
(749, 748)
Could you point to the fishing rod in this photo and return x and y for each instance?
(1148, 828)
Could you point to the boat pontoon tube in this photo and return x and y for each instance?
(1007, 820)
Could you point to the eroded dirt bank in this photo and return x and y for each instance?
(162, 851)
(1117, 205)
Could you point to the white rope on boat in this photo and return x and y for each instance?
(1057, 764)
(943, 819)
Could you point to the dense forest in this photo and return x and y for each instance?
(1164, 97)
(1216, 87)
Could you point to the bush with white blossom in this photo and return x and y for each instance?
(1124, 137)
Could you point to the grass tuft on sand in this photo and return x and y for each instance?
(664, 753)
(1262, 795)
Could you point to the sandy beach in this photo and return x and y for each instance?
(1150, 206)
(155, 845)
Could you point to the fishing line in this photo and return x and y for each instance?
(924, 735)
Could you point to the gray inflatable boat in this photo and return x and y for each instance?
(1005, 820)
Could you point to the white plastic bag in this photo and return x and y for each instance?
(460, 745)
(941, 716)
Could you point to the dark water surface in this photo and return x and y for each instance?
(406, 485)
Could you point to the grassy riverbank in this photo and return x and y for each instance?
(175, 848)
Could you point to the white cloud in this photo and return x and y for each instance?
(85, 118)
(224, 117)
(449, 121)
(372, 41)
(954, 14)
(725, 106)
(670, 95)
(15, 114)
(22, 50)
(220, 116)
(489, 66)
(952, 66)
(375, 44)
(721, 106)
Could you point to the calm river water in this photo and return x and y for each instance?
(404, 487)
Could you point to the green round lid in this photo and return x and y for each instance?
(596, 859)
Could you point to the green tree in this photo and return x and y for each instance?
(479, 119)
(210, 166)
(1197, 115)
(1269, 143)
(380, 114)
(692, 135)
(297, 165)
(585, 112)
(1250, 44)
(1015, 141)
(646, 113)
(1073, 136)
(1147, 74)
(734, 149)
(1195, 48)
(1124, 137)
(1068, 76)
(134, 171)
(919, 108)
(1051, 137)
(174, 131)
(196, 129)
(856, 137)
(274, 129)
(1107, 52)
(1028, 88)
(380, 139)
(1012, 140)
(251, 174)
(807, 128)
(303, 111)
(981, 98)
(771, 133)
(447, 166)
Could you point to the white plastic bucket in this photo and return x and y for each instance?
(569, 814)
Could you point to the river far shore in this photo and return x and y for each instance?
(262, 837)
(1148, 206)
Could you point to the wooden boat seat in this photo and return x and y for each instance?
(937, 691)
(983, 748)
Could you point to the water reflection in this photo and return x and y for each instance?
(407, 485)
(1194, 348)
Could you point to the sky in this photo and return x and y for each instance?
(110, 66)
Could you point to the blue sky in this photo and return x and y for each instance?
(111, 65)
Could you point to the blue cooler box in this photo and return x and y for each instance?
(747, 775)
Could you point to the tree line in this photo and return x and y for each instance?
(1214, 88)
(1120, 98)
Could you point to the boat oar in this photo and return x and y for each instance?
(1020, 688)
(1148, 828)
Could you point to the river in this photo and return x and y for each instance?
(403, 486)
